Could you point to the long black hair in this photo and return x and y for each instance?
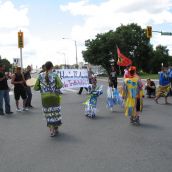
(48, 66)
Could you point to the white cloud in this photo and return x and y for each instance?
(112, 13)
(36, 51)
(11, 18)
(98, 18)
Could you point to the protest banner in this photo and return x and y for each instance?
(73, 78)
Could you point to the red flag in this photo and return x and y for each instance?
(123, 60)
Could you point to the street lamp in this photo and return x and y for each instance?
(76, 51)
(63, 55)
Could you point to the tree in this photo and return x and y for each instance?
(160, 57)
(100, 50)
(134, 44)
(131, 40)
(7, 64)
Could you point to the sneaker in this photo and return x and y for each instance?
(137, 120)
(2, 114)
(18, 110)
(25, 109)
(131, 120)
(9, 112)
(30, 106)
(156, 100)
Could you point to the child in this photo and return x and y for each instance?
(91, 102)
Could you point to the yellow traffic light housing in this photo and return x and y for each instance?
(149, 31)
(20, 40)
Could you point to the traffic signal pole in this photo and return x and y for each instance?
(149, 32)
(21, 58)
(21, 45)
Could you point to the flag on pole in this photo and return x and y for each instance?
(122, 59)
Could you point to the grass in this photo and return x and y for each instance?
(143, 76)
(151, 76)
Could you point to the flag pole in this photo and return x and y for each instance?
(117, 60)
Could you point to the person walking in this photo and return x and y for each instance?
(4, 92)
(19, 89)
(49, 85)
(113, 77)
(131, 93)
(164, 85)
(170, 78)
(43, 69)
(27, 76)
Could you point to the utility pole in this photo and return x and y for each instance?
(76, 50)
(21, 45)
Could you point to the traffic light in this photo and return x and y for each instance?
(20, 40)
(149, 31)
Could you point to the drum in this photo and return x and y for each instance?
(31, 82)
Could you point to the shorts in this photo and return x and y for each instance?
(19, 92)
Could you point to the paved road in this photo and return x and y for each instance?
(105, 144)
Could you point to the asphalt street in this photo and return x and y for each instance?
(107, 143)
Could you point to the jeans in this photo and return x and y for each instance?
(4, 94)
(29, 96)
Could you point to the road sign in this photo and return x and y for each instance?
(166, 33)
(20, 40)
(16, 61)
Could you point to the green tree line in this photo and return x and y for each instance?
(133, 43)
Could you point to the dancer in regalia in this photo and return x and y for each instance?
(91, 102)
(132, 94)
(164, 85)
(114, 97)
(49, 85)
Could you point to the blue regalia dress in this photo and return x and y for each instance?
(91, 102)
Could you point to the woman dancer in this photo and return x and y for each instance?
(49, 84)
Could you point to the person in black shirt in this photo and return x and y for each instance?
(90, 73)
(19, 88)
(150, 88)
(27, 76)
(113, 77)
(43, 69)
(4, 92)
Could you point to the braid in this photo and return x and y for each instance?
(48, 66)
(46, 77)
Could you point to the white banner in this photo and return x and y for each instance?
(73, 78)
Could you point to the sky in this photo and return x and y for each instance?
(52, 27)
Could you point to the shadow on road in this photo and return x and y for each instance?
(66, 137)
(150, 126)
